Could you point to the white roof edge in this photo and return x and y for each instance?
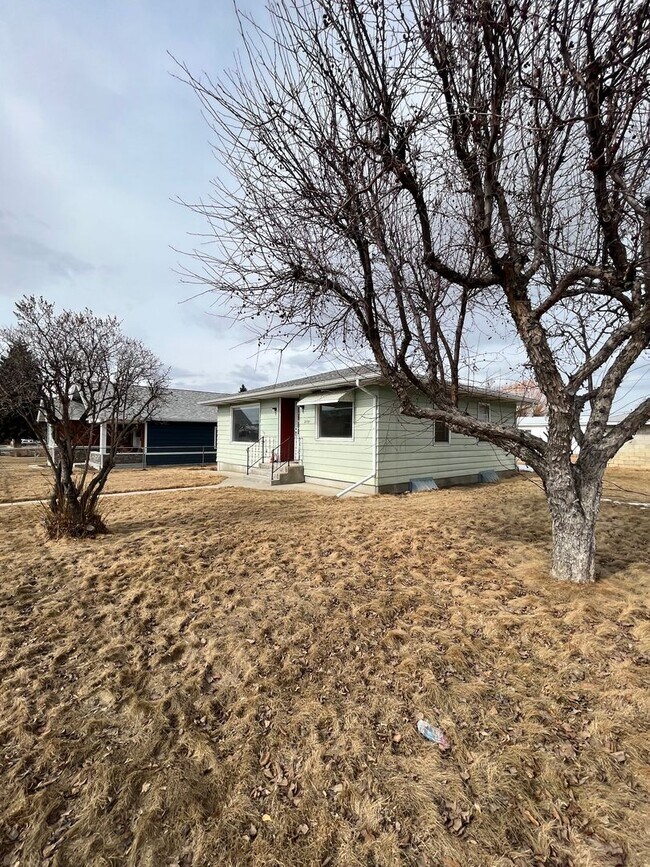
(542, 420)
(335, 384)
(306, 387)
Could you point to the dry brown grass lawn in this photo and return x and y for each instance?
(627, 484)
(21, 480)
(233, 678)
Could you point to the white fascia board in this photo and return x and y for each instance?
(294, 390)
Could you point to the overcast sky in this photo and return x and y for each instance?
(97, 139)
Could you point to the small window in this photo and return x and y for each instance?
(335, 421)
(440, 432)
(483, 412)
(245, 424)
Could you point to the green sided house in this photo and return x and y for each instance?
(344, 429)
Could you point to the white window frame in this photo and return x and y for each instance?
(246, 443)
(480, 403)
(436, 442)
(349, 439)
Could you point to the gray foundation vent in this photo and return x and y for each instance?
(416, 486)
(488, 476)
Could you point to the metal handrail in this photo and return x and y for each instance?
(250, 464)
(276, 463)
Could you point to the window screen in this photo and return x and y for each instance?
(245, 424)
(483, 413)
(335, 420)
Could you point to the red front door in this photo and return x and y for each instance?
(287, 424)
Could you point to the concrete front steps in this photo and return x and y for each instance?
(290, 474)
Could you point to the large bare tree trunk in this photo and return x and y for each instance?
(574, 506)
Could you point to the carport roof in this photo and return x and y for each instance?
(181, 404)
(185, 404)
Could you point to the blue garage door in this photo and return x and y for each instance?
(180, 442)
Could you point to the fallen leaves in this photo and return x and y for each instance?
(448, 861)
(610, 854)
(455, 818)
(284, 776)
(567, 751)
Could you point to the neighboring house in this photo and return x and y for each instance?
(635, 452)
(344, 429)
(183, 431)
(537, 425)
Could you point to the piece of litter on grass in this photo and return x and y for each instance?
(266, 817)
(431, 733)
(145, 788)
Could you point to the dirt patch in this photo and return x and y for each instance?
(233, 677)
(24, 479)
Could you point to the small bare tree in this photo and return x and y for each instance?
(82, 372)
(401, 172)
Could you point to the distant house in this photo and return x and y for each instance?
(183, 431)
(635, 452)
(344, 429)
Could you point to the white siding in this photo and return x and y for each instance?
(405, 447)
(407, 451)
(230, 454)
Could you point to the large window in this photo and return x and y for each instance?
(335, 421)
(245, 424)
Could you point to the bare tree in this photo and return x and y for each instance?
(535, 403)
(401, 172)
(83, 373)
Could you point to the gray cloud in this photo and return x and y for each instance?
(181, 377)
(27, 260)
(272, 368)
(178, 373)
